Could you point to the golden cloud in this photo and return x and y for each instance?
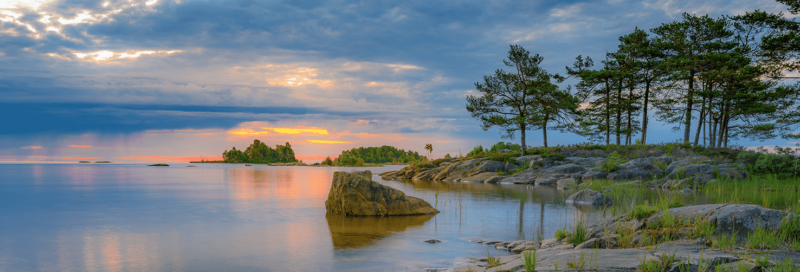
(31, 147)
(327, 142)
(81, 146)
(314, 130)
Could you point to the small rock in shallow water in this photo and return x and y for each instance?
(687, 191)
(432, 241)
(608, 190)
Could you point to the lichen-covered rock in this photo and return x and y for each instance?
(489, 166)
(427, 174)
(353, 194)
(589, 197)
(526, 177)
(593, 175)
(482, 177)
(550, 179)
(729, 218)
(495, 179)
(643, 172)
(566, 183)
(690, 170)
(565, 169)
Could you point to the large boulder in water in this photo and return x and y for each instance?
(356, 195)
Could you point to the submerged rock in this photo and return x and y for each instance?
(159, 164)
(432, 241)
(590, 197)
(355, 194)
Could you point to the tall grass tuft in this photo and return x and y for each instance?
(578, 235)
(530, 260)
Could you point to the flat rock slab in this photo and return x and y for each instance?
(605, 260)
(691, 251)
(729, 218)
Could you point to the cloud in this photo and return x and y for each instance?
(31, 147)
(327, 142)
(80, 146)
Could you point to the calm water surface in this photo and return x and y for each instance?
(115, 217)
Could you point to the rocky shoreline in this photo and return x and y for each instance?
(712, 237)
(623, 243)
(659, 171)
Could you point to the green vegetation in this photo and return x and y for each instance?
(578, 234)
(522, 99)
(491, 261)
(561, 234)
(258, 152)
(375, 155)
(785, 163)
(529, 257)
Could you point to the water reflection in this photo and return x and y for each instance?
(352, 232)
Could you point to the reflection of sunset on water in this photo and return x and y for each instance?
(279, 183)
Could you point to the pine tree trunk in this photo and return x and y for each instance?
(644, 117)
(608, 113)
(522, 138)
(628, 139)
(700, 122)
(619, 111)
(544, 129)
(689, 100)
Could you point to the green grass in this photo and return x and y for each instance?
(761, 238)
(725, 243)
(703, 229)
(491, 261)
(561, 234)
(578, 235)
(529, 257)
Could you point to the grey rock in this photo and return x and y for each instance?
(432, 241)
(594, 243)
(690, 250)
(643, 172)
(687, 191)
(729, 218)
(480, 177)
(526, 177)
(495, 179)
(586, 162)
(510, 167)
(564, 169)
(560, 247)
(607, 260)
(675, 164)
(608, 190)
(490, 166)
(427, 174)
(549, 179)
(566, 183)
(529, 158)
(594, 175)
(590, 197)
(690, 170)
(551, 242)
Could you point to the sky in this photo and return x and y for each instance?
(141, 81)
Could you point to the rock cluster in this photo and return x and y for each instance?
(662, 172)
(602, 248)
(355, 194)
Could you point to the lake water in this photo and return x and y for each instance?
(130, 217)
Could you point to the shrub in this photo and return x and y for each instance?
(642, 211)
(578, 235)
(561, 234)
(614, 160)
(783, 165)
